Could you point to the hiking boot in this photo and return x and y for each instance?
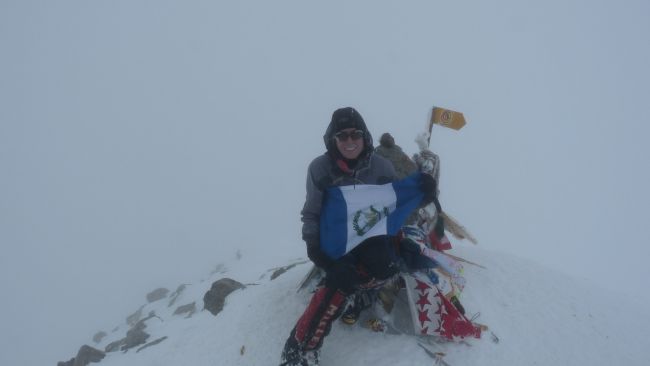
(293, 355)
(312, 357)
(300, 358)
(352, 312)
(376, 325)
(350, 316)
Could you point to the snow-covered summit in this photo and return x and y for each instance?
(540, 316)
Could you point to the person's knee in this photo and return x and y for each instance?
(384, 270)
(380, 259)
(342, 276)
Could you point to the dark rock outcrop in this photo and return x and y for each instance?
(66, 363)
(135, 336)
(157, 294)
(279, 271)
(99, 336)
(215, 298)
(114, 346)
(85, 356)
(188, 309)
(174, 295)
(152, 343)
(134, 318)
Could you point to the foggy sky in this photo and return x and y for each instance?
(144, 142)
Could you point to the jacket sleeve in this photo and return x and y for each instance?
(310, 214)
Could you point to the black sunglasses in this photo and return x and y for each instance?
(343, 135)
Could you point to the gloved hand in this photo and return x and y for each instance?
(410, 252)
(429, 187)
(343, 276)
(316, 255)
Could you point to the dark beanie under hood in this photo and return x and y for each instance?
(343, 118)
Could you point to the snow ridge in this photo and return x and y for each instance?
(541, 317)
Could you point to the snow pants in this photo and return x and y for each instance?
(375, 259)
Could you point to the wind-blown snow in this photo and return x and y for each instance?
(541, 317)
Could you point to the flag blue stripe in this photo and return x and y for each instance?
(334, 223)
(409, 197)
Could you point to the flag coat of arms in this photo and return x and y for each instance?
(352, 214)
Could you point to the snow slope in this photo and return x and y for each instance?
(541, 317)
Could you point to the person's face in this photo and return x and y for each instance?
(349, 142)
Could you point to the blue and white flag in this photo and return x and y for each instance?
(352, 214)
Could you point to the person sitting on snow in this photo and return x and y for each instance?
(349, 160)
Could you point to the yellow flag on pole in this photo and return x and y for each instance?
(447, 118)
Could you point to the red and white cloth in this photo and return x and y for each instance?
(433, 314)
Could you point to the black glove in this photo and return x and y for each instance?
(429, 187)
(316, 255)
(343, 276)
(412, 256)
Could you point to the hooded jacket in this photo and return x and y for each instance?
(331, 170)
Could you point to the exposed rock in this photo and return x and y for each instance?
(215, 298)
(188, 309)
(134, 318)
(135, 336)
(85, 356)
(66, 363)
(279, 271)
(157, 294)
(99, 336)
(114, 346)
(152, 343)
(174, 296)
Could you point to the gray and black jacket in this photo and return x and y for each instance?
(324, 173)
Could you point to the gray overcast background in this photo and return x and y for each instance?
(143, 142)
